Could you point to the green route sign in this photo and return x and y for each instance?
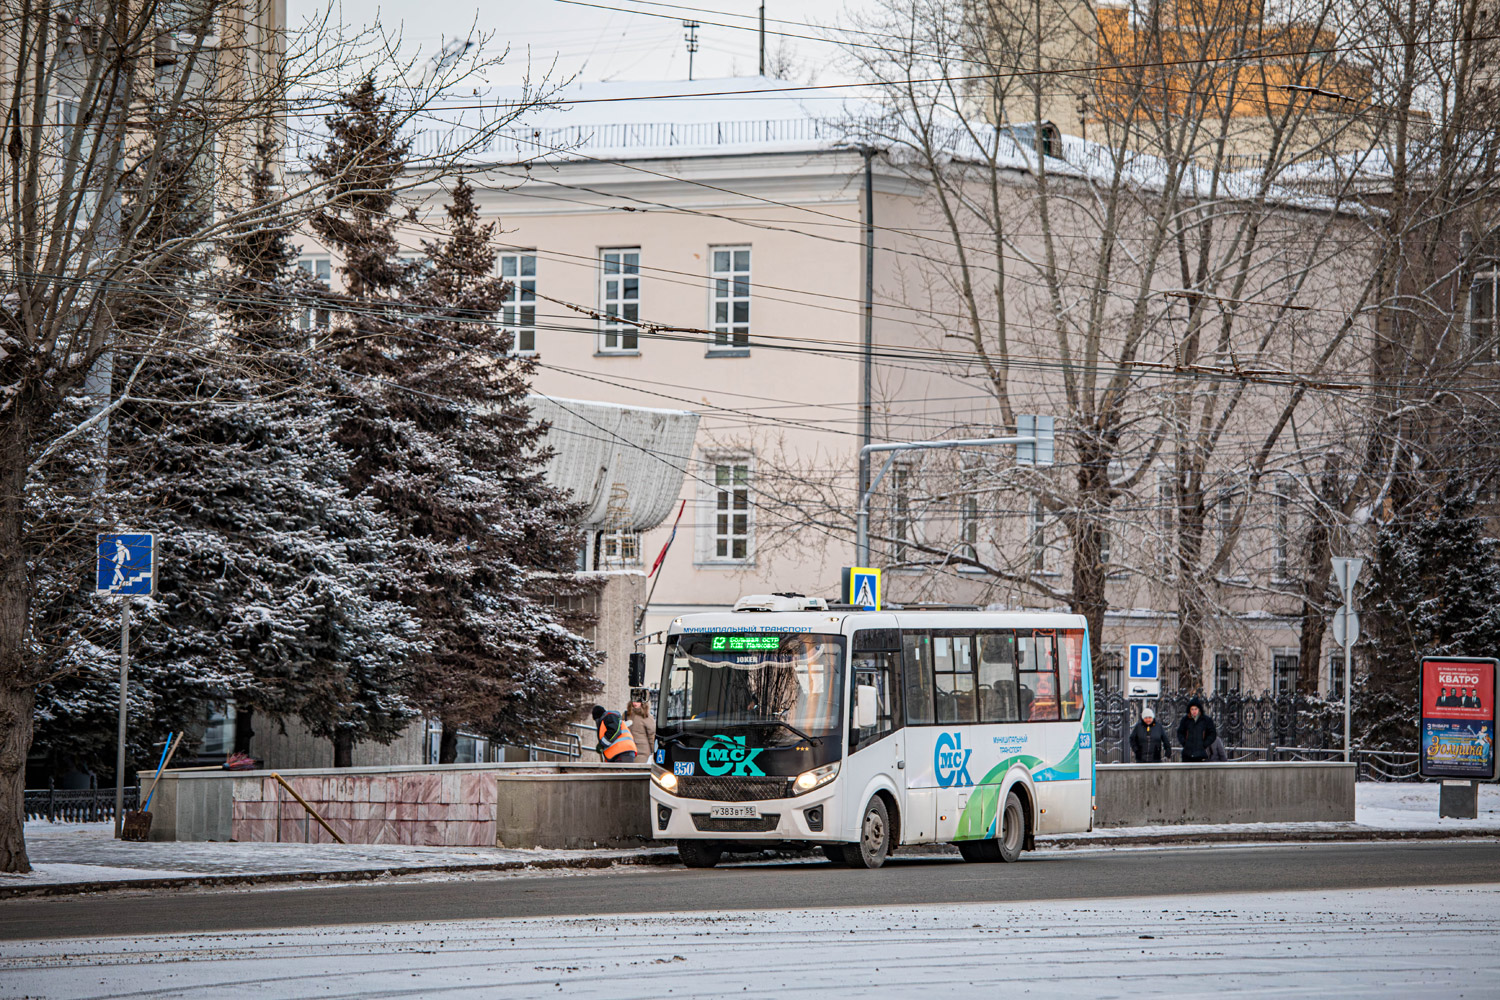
(746, 643)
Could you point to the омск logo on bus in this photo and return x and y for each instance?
(729, 755)
(951, 761)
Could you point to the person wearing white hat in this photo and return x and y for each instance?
(1148, 741)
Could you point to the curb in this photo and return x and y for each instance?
(349, 875)
(660, 857)
(1267, 837)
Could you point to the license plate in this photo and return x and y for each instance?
(734, 812)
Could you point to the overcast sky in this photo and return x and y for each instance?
(610, 44)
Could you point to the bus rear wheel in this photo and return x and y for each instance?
(874, 838)
(699, 853)
(1006, 847)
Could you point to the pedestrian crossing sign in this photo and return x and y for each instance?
(126, 565)
(862, 587)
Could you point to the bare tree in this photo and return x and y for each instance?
(110, 109)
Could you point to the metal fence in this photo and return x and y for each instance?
(77, 805)
(1261, 727)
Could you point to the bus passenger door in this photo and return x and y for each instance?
(875, 750)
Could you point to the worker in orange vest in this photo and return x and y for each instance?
(615, 742)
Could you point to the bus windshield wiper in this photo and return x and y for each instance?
(815, 740)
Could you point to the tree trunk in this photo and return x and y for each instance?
(448, 745)
(1191, 601)
(16, 695)
(1089, 598)
(244, 729)
(1314, 617)
(343, 749)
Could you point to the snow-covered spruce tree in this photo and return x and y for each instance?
(433, 415)
(479, 514)
(1435, 591)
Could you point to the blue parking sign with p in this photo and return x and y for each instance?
(126, 564)
(1143, 662)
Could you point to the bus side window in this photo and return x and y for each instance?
(1070, 672)
(877, 670)
(953, 667)
(997, 677)
(916, 666)
(1036, 654)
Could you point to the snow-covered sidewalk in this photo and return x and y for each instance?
(1427, 941)
(87, 855)
(83, 853)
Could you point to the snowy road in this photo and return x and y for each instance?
(1369, 943)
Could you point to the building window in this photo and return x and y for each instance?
(1484, 292)
(1043, 429)
(319, 270)
(732, 511)
(968, 526)
(1038, 536)
(1166, 513)
(1285, 666)
(1111, 669)
(900, 513)
(1106, 546)
(1336, 674)
(620, 301)
(518, 308)
(731, 298)
(1227, 674)
(619, 548)
(1281, 517)
(1228, 504)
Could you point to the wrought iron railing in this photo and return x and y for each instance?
(77, 805)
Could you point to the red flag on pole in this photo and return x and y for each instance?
(657, 565)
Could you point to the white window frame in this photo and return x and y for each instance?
(713, 495)
(310, 318)
(729, 299)
(1484, 331)
(901, 520)
(518, 308)
(1281, 532)
(1036, 539)
(1234, 670)
(1336, 673)
(619, 548)
(968, 525)
(615, 274)
(1279, 653)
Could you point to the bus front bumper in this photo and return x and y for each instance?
(811, 817)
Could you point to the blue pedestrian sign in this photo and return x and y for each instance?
(127, 565)
(862, 587)
(1144, 670)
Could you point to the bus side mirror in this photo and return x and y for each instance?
(864, 706)
(637, 669)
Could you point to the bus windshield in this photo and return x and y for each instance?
(790, 682)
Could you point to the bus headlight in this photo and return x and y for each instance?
(666, 779)
(816, 778)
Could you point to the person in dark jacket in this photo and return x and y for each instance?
(1196, 733)
(1148, 741)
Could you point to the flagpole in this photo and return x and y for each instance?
(641, 618)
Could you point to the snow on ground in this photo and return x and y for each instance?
(1411, 806)
(88, 852)
(1433, 941)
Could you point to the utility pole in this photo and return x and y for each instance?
(762, 39)
(1346, 631)
(867, 388)
(691, 37)
(120, 746)
(862, 516)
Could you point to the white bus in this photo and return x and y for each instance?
(861, 731)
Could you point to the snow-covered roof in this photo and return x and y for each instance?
(626, 120)
(626, 464)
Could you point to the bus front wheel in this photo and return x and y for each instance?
(874, 838)
(699, 853)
